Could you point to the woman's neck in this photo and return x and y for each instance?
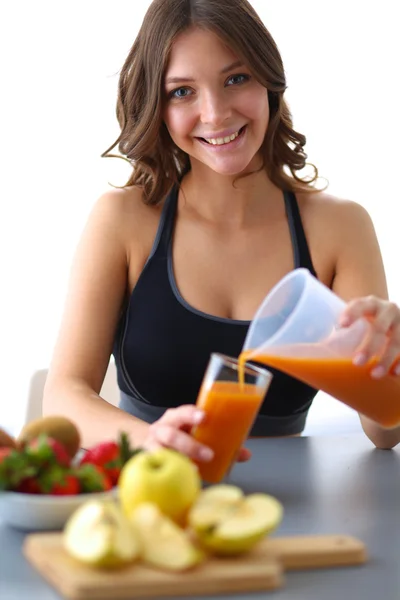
(235, 201)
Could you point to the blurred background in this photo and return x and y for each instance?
(59, 66)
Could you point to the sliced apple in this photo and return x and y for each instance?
(164, 544)
(227, 522)
(99, 534)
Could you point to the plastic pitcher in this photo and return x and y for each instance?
(296, 330)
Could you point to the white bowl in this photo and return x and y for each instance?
(43, 512)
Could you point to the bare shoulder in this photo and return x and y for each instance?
(334, 217)
(322, 205)
(124, 217)
(126, 207)
(336, 229)
(345, 232)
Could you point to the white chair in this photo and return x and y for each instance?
(109, 391)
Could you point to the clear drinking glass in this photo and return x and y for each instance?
(230, 408)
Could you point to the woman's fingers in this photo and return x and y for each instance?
(382, 340)
(360, 307)
(182, 416)
(389, 362)
(244, 455)
(171, 437)
(172, 431)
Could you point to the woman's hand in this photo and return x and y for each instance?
(172, 430)
(383, 338)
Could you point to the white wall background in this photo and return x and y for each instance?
(59, 65)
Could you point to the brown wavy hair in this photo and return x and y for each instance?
(144, 140)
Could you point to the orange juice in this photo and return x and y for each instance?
(378, 399)
(230, 409)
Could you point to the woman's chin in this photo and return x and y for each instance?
(231, 168)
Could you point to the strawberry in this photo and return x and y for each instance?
(110, 456)
(92, 478)
(69, 487)
(45, 450)
(28, 486)
(15, 467)
(4, 452)
(59, 481)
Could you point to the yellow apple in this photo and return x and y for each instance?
(227, 522)
(164, 477)
(164, 544)
(99, 534)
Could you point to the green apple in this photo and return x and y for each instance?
(164, 544)
(99, 534)
(227, 522)
(164, 477)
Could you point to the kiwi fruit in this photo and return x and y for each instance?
(60, 428)
(6, 441)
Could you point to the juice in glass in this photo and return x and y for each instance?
(230, 409)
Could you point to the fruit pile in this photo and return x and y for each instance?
(165, 519)
(46, 459)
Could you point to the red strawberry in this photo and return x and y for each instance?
(45, 450)
(14, 468)
(4, 452)
(28, 486)
(110, 456)
(92, 478)
(59, 481)
(70, 486)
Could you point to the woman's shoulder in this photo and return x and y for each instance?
(124, 211)
(126, 202)
(322, 208)
(336, 228)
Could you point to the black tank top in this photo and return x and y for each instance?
(162, 345)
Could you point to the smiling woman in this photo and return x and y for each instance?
(239, 71)
(218, 95)
(173, 266)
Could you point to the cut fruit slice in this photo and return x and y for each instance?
(164, 544)
(228, 522)
(99, 534)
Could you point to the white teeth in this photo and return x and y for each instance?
(221, 141)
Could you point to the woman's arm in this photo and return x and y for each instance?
(360, 274)
(98, 286)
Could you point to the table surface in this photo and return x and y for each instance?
(328, 485)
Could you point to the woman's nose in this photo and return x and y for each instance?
(214, 109)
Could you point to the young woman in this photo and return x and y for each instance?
(174, 265)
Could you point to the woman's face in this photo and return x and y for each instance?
(215, 109)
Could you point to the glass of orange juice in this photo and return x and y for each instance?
(230, 405)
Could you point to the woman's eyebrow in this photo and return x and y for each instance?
(180, 79)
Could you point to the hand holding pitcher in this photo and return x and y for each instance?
(384, 325)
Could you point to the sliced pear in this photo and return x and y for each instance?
(99, 534)
(164, 544)
(227, 522)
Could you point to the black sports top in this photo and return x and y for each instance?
(162, 345)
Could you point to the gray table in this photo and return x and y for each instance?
(327, 485)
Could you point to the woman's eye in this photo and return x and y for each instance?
(180, 93)
(238, 79)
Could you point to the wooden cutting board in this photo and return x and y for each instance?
(260, 569)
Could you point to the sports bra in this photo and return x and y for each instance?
(162, 344)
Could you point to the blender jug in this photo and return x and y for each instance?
(296, 330)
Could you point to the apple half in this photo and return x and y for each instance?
(99, 534)
(227, 522)
(164, 544)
